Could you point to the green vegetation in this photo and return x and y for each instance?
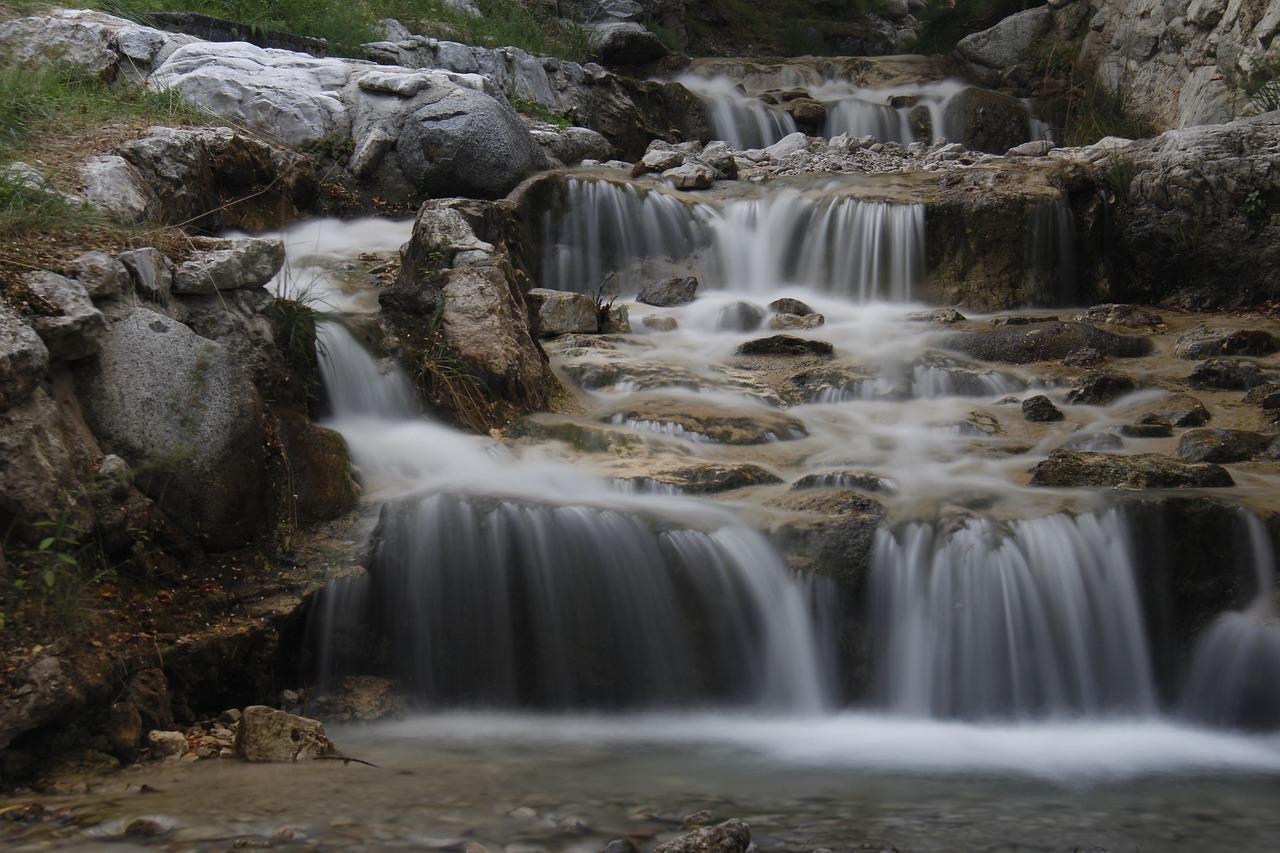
(1262, 85)
(782, 27)
(1118, 176)
(1094, 112)
(533, 109)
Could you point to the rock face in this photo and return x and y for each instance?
(76, 330)
(183, 412)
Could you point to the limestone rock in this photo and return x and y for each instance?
(1179, 410)
(293, 96)
(740, 317)
(467, 144)
(151, 271)
(229, 264)
(785, 345)
(101, 274)
(265, 734)
(690, 176)
(79, 39)
(669, 292)
(182, 409)
(988, 121)
(1129, 316)
(75, 332)
(44, 461)
(24, 358)
(562, 313)
(1070, 468)
(732, 836)
(115, 187)
(710, 478)
(698, 421)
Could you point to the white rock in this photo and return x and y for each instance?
(114, 186)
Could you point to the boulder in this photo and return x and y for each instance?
(1228, 445)
(740, 317)
(1083, 469)
(151, 272)
(790, 306)
(706, 422)
(228, 264)
(101, 274)
(1009, 42)
(76, 331)
(624, 44)
(787, 345)
(1179, 410)
(561, 313)
(796, 321)
(1044, 342)
(732, 836)
(1206, 342)
(691, 176)
(575, 144)
(83, 40)
(24, 359)
(467, 144)
(265, 734)
(669, 292)
(1040, 409)
(45, 463)
(292, 96)
(988, 121)
(181, 409)
(1227, 374)
(1101, 389)
(708, 478)
(1129, 316)
(116, 188)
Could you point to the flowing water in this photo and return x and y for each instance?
(595, 651)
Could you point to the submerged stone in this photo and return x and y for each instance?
(1071, 468)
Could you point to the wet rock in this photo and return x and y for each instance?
(562, 313)
(602, 375)
(1040, 409)
(1205, 342)
(1020, 320)
(360, 698)
(796, 321)
(101, 274)
(1099, 441)
(700, 421)
(76, 331)
(1070, 468)
(1150, 429)
(862, 481)
(786, 345)
(319, 470)
(1180, 410)
(222, 264)
(1267, 396)
(616, 320)
(620, 845)
(1044, 342)
(790, 306)
(669, 292)
(732, 836)
(1084, 359)
(660, 323)
(266, 734)
(1228, 445)
(624, 44)
(467, 144)
(1101, 389)
(832, 532)
(1129, 316)
(740, 317)
(1227, 374)
(711, 478)
(988, 121)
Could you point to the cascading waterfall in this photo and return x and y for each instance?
(513, 602)
(1051, 252)
(736, 117)
(1234, 679)
(1041, 618)
(859, 250)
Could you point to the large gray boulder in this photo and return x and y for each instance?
(624, 43)
(116, 188)
(182, 411)
(291, 96)
(229, 264)
(1008, 42)
(561, 313)
(467, 144)
(98, 44)
(266, 734)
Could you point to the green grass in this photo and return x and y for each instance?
(1096, 112)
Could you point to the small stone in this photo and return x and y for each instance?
(167, 744)
(143, 827)
(785, 345)
(1101, 389)
(1086, 359)
(670, 292)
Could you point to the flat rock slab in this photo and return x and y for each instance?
(785, 345)
(699, 421)
(1044, 342)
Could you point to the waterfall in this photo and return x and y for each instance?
(860, 250)
(1051, 252)
(1234, 678)
(1041, 618)
(519, 597)
(736, 117)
